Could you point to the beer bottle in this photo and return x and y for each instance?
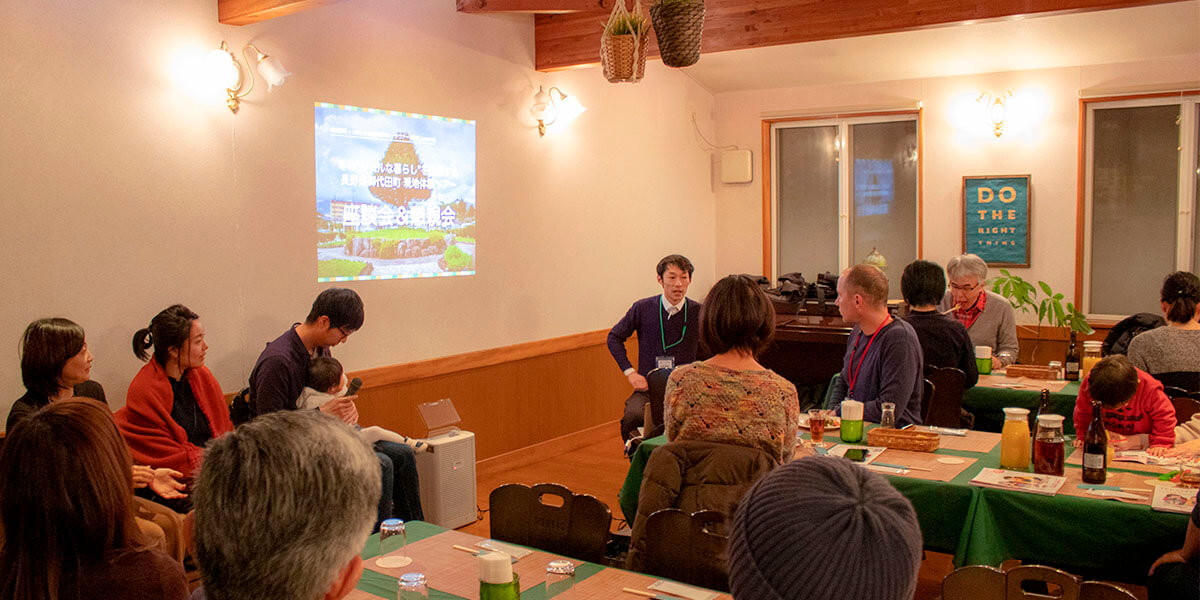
(1095, 447)
(1071, 364)
(1043, 409)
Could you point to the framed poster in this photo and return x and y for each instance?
(996, 219)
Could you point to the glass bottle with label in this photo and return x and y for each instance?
(1095, 448)
(1071, 363)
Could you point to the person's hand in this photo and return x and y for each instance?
(1078, 443)
(1157, 450)
(1185, 449)
(638, 382)
(1174, 556)
(997, 363)
(166, 484)
(142, 476)
(343, 408)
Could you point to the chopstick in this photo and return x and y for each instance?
(883, 464)
(639, 592)
(466, 549)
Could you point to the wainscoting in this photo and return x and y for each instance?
(510, 397)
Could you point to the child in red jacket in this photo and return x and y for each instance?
(1133, 404)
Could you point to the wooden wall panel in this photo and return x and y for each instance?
(512, 404)
(1039, 348)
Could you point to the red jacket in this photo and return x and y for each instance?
(153, 437)
(1150, 412)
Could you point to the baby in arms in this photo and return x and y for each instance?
(326, 381)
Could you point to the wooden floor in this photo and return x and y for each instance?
(591, 462)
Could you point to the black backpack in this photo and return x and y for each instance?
(240, 409)
(1118, 338)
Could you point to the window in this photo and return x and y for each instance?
(840, 188)
(1140, 182)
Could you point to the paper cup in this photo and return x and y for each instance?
(983, 351)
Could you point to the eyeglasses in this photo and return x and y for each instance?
(345, 334)
(965, 288)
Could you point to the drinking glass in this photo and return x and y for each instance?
(392, 537)
(560, 577)
(413, 587)
(816, 425)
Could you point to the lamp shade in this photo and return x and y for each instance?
(541, 109)
(272, 70)
(221, 69)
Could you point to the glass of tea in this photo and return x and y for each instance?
(816, 424)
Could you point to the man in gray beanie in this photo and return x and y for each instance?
(824, 528)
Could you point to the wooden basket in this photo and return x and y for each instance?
(904, 439)
(624, 57)
(1031, 371)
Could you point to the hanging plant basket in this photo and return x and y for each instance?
(679, 27)
(623, 44)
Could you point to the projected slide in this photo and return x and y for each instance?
(395, 194)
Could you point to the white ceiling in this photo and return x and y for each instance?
(1112, 36)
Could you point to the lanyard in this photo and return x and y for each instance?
(852, 376)
(662, 332)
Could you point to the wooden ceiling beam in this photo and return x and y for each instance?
(545, 7)
(245, 12)
(572, 40)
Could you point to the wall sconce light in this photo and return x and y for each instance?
(225, 68)
(997, 111)
(548, 111)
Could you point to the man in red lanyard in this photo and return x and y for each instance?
(883, 360)
(668, 332)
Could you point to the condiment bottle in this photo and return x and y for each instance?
(1014, 439)
(1048, 445)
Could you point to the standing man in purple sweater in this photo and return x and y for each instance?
(668, 331)
(883, 361)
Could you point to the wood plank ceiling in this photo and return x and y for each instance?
(567, 32)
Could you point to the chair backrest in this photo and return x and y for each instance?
(688, 548)
(1188, 381)
(578, 528)
(1102, 590)
(657, 382)
(1067, 583)
(975, 582)
(1185, 407)
(943, 406)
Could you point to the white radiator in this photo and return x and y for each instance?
(447, 474)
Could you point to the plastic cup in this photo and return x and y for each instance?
(983, 359)
(852, 421)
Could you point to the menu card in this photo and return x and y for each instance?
(1173, 499)
(1019, 481)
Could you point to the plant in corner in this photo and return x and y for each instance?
(1049, 309)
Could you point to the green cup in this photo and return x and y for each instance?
(983, 359)
(852, 421)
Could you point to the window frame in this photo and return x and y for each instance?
(843, 122)
(1186, 201)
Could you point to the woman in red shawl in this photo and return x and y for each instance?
(174, 405)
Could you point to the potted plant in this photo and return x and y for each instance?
(678, 25)
(1050, 308)
(623, 45)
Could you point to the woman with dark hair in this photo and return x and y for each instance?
(731, 398)
(55, 364)
(174, 405)
(67, 513)
(1172, 353)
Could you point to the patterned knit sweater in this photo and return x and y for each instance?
(758, 409)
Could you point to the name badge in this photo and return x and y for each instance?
(665, 362)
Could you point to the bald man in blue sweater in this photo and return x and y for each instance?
(668, 331)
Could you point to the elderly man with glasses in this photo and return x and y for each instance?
(988, 317)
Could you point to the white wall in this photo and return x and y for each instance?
(1041, 139)
(124, 194)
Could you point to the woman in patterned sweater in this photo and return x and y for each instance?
(731, 398)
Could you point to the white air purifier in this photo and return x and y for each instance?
(447, 469)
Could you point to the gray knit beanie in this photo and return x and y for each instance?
(824, 528)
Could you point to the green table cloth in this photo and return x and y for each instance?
(988, 404)
(986, 526)
(386, 586)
